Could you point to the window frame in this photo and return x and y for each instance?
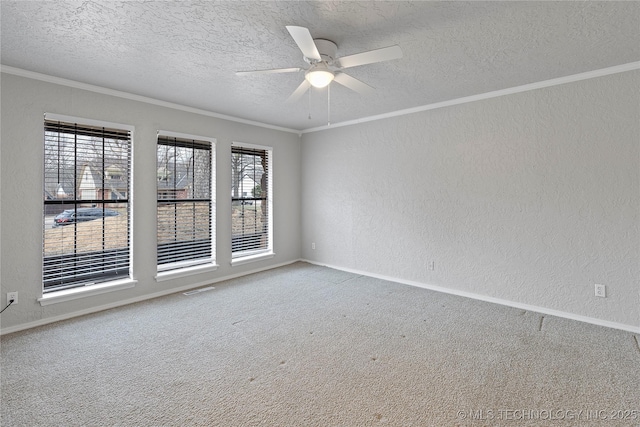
(83, 288)
(182, 268)
(247, 256)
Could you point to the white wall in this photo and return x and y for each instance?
(24, 102)
(529, 198)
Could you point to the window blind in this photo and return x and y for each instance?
(86, 204)
(184, 216)
(250, 201)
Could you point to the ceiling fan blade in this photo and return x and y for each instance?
(371, 56)
(303, 39)
(301, 90)
(273, 71)
(353, 83)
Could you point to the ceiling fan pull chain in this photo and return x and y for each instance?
(309, 103)
(329, 105)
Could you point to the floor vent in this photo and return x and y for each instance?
(197, 291)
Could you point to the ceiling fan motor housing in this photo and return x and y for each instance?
(328, 50)
(325, 66)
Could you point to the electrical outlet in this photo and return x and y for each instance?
(601, 291)
(12, 296)
(313, 246)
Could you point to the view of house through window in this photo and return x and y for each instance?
(86, 204)
(184, 185)
(251, 203)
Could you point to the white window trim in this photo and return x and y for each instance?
(183, 269)
(171, 134)
(267, 253)
(90, 122)
(186, 271)
(252, 258)
(185, 264)
(63, 295)
(55, 297)
(253, 146)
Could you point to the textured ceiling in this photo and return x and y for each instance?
(187, 52)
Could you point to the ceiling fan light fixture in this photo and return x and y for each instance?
(320, 76)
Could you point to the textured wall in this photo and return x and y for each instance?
(24, 101)
(530, 198)
(188, 52)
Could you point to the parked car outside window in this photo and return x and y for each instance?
(71, 216)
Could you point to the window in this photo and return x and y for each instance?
(185, 201)
(86, 206)
(251, 201)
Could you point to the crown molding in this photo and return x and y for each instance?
(126, 95)
(494, 94)
(631, 66)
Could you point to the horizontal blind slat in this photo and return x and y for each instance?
(87, 171)
(184, 206)
(250, 204)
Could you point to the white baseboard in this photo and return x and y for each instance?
(480, 297)
(66, 316)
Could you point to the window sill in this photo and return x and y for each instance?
(251, 258)
(184, 272)
(86, 291)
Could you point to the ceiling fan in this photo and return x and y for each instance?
(325, 67)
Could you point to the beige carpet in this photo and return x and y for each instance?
(305, 345)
